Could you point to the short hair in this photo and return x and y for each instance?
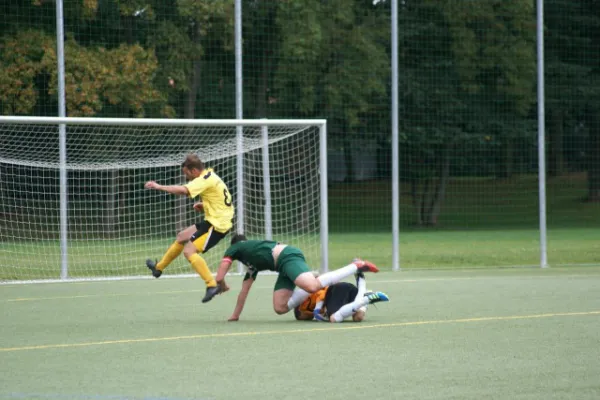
(238, 238)
(192, 161)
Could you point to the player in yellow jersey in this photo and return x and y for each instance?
(216, 202)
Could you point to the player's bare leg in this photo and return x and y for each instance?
(172, 252)
(280, 300)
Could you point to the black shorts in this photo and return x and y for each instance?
(206, 236)
(338, 295)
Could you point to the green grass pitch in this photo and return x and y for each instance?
(514, 333)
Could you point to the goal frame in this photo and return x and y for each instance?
(321, 124)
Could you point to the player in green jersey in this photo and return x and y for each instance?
(295, 281)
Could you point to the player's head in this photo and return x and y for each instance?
(192, 166)
(360, 314)
(238, 238)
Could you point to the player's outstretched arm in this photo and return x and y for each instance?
(317, 312)
(241, 300)
(173, 189)
(222, 271)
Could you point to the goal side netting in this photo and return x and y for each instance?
(113, 224)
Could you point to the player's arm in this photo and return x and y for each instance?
(173, 189)
(222, 271)
(317, 312)
(241, 300)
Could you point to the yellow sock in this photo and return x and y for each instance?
(172, 252)
(201, 268)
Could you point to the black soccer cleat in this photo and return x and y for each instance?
(210, 293)
(152, 267)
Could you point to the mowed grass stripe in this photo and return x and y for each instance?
(310, 330)
(370, 282)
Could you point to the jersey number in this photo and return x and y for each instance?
(227, 199)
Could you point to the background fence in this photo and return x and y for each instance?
(468, 157)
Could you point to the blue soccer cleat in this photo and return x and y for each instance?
(376, 297)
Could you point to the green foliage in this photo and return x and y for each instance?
(21, 62)
(572, 52)
(467, 68)
(94, 77)
(332, 60)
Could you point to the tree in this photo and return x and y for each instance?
(333, 62)
(573, 84)
(94, 77)
(98, 78)
(468, 73)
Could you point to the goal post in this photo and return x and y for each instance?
(111, 224)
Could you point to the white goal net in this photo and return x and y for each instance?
(112, 224)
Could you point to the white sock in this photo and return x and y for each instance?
(298, 296)
(362, 288)
(349, 309)
(337, 275)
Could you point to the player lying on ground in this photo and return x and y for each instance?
(205, 234)
(339, 301)
(295, 280)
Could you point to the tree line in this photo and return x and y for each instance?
(467, 74)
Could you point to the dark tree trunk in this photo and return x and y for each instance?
(189, 111)
(556, 162)
(505, 168)
(437, 198)
(348, 159)
(424, 201)
(414, 191)
(593, 155)
(263, 86)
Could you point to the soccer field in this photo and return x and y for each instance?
(418, 249)
(456, 334)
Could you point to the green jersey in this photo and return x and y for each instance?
(256, 255)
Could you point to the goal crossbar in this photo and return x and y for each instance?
(160, 121)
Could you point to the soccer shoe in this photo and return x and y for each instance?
(210, 293)
(365, 266)
(152, 267)
(376, 297)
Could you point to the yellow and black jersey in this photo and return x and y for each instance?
(216, 199)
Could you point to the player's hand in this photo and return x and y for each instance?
(151, 185)
(318, 316)
(199, 207)
(224, 287)
(233, 319)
